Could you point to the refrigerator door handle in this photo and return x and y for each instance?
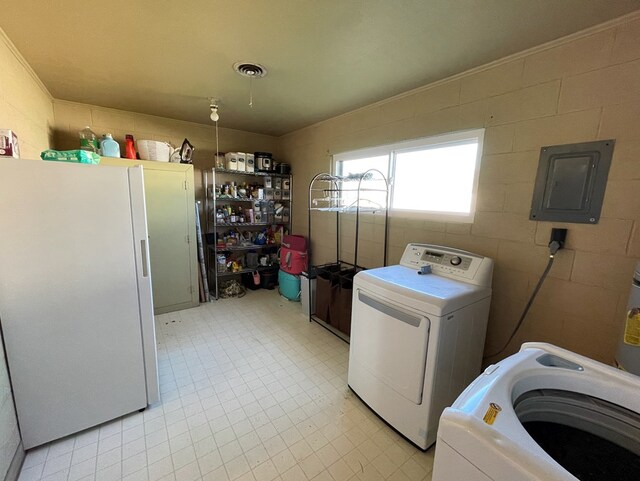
(145, 257)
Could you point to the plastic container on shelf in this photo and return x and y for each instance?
(221, 263)
(109, 147)
(220, 160)
(231, 160)
(88, 140)
(130, 149)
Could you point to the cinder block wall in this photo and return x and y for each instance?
(581, 88)
(71, 117)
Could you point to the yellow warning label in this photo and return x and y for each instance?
(632, 327)
(492, 413)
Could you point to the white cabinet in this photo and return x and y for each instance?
(169, 194)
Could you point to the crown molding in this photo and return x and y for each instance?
(16, 53)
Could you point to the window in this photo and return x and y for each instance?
(434, 178)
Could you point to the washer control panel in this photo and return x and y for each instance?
(449, 262)
(445, 259)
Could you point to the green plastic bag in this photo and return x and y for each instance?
(78, 156)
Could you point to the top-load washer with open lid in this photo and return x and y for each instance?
(543, 414)
(417, 335)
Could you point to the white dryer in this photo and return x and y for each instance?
(543, 414)
(417, 335)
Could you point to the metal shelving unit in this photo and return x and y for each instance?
(244, 271)
(213, 226)
(355, 194)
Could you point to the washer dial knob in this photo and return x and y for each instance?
(455, 261)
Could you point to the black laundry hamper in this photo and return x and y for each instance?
(342, 304)
(333, 305)
(326, 288)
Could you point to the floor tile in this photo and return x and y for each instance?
(251, 391)
(56, 464)
(160, 469)
(265, 471)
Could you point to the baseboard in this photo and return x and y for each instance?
(175, 307)
(16, 464)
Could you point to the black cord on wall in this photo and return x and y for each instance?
(554, 247)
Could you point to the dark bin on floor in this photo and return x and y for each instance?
(248, 281)
(269, 278)
(326, 287)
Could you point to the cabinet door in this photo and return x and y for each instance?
(170, 206)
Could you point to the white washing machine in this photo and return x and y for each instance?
(417, 337)
(543, 414)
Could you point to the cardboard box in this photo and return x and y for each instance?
(9, 144)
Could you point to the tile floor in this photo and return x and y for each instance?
(251, 391)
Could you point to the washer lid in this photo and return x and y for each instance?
(429, 293)
(483, 426)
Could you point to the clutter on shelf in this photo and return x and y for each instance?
(248, 213)
(156, 150)
(9, 146)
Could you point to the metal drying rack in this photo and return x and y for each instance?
(327, 194)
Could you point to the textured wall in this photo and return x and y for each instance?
(71, 117)
(25, 106)
(578, 89)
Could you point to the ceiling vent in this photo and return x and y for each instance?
(251, 70)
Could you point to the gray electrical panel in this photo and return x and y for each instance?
(571, 181)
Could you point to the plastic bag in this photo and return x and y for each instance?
(78, 156)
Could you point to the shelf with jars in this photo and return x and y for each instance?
(246, 215)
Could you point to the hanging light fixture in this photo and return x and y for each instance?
(214, 104)
(214, 109)
(251, 70)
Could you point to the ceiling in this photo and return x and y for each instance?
(324, 58)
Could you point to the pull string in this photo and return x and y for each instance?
(251, 92)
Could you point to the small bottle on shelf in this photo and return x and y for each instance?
(88, 140)
(110, 148)
(129, 149)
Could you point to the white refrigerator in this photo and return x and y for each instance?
(76, 308)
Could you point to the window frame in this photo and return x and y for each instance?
(391, 151)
